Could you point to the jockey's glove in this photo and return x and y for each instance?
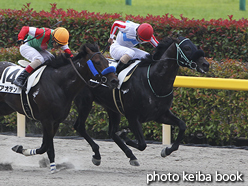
(19, 42)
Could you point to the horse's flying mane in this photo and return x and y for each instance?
(156, 54)
(57, 61)
(63, 59)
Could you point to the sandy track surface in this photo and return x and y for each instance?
(187, 166)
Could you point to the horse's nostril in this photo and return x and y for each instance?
(115, 82)
(206, 65)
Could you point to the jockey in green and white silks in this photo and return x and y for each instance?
(36, 50)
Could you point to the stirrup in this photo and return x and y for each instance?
(23, 63)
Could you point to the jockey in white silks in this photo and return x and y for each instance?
(130, 34)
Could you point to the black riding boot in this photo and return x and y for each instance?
(21, 79)
(120, 66)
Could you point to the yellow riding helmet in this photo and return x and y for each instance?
(61, 35)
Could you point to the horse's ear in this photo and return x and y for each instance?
(88, 50)
(96, 43)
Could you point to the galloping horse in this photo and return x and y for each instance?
(52, 97)
(146, 96)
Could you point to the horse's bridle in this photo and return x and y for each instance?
(94, 71)
(187, 63)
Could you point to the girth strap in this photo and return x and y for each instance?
(26, 105)
(118, 101)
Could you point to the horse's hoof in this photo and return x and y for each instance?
(96, 161)
(18, 148)
(163, 152)
(134, 163)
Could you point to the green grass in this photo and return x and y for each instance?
(197, 9)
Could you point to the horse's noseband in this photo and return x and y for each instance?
(95, 71)
(188, 61)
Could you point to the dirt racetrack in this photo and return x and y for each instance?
(187, 166)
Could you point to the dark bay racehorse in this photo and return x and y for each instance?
(52, 97)
(146, 96)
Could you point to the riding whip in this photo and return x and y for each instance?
(106, 47)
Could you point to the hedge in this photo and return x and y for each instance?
(218, 116)
(221, 38)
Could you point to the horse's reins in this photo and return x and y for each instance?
(81, 77)
(148, 79)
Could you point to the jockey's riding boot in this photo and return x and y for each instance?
(120, 66)
(122, 63)
(21, 79)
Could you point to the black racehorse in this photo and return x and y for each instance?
(52, 97)
(146, 96)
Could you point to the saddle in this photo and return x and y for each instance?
(123, 76)
(126, 73)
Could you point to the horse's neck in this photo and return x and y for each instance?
(71, 80)
(163, 72)
(167, 65)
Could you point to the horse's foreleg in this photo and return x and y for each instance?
(171, 119)
(50, 151)
(47, 146)
(51, 157)
(114, 120)
(84, 101)
(79, 126)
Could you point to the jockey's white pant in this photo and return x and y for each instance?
(117, 51)
(31, 53)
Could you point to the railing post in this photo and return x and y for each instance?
(241, 4)
(128, 2)
(21, 124)
(166, 134)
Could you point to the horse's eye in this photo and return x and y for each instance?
(186, 48)
(97, 63)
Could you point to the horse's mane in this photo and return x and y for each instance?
(82, 50)
(57, 61)
(63, 59)
(157, 53)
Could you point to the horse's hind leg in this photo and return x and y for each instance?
(136, 128)
(114, 120)
(171, 119)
